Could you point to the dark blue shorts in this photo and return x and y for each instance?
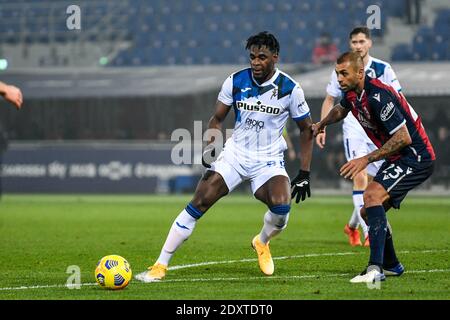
(399, 177)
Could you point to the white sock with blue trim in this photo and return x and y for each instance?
(358, 203)
(274, 223)
(180, 231)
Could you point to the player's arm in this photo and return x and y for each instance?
(335, 115)
(301, 184)
(215, 122)
(11, 94)
(327, 105)
(214, 133)
(306, 143)
(397, 142)
(290, 145)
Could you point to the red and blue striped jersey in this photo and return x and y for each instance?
(381, 111)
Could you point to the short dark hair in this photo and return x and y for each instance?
(360, 29)
(264, 39)
(353, 57)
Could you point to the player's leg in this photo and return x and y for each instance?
(390, 186)
(374, 197)
(355, 147)
(218, 181)
(351, 229)
(210, 188)
(275, 193)
(391, 264)
(372, 170)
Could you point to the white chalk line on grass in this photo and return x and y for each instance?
(248, 278)
(309, 255)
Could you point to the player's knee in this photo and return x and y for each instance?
(360, 180)
(276, 200)
(371, 198)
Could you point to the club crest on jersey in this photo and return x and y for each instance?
(274, 93)
(364, 121)
(387, 111)
(257, 107)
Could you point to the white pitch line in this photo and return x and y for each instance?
(200, 264)
(46, 286)
(246, 278)
(193, 265)
(288, 277)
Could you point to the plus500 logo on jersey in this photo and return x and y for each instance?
(257, 107)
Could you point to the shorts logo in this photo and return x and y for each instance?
(387, 111)
(274, 163)
(251, 124)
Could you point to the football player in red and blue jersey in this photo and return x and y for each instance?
(397, 130)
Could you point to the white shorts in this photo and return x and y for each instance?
(356, 147)
(235, 170)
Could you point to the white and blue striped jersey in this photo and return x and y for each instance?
(375, 68)
(261, 112)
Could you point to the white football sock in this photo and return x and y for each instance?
(180, 231)
(273, 225)
(358, 203)
(354, 220)
(363, 224)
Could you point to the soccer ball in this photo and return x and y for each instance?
(113, 272)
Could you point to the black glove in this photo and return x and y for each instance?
(300, 186)
(209, 155)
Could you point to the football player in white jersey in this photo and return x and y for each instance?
(356, 142)
(263, 98)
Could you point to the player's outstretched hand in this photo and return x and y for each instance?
(320, 139)
(13, 95)
(300, 186)
(209, 155)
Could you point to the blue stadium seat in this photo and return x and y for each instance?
(402, 52)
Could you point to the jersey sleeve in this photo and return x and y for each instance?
(226, 93)
(389, 112)
(333, 88)
(391, 78)
(298, 107)
(345, 103)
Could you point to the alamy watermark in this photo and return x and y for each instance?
(73, 21)
(374, 20)
(74, 280)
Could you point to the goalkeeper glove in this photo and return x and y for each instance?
(209, 155)
(300, 186)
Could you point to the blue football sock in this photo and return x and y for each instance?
(377, 234)
(390, 258)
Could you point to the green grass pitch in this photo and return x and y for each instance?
(41, 236)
